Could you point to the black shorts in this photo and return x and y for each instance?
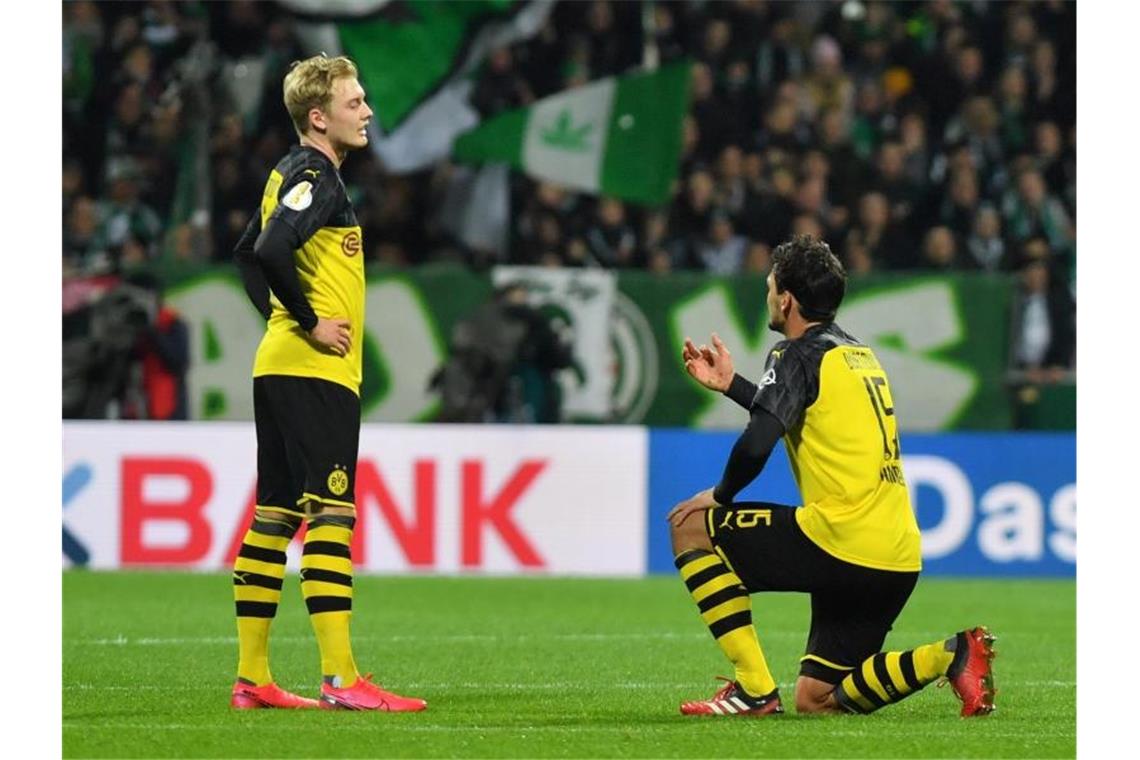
(308, 435)
(852, 607)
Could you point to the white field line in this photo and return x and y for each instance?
(451, 638)
(388, 727)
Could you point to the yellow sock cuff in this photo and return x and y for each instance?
(931, 661)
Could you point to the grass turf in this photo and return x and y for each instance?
(534, 668)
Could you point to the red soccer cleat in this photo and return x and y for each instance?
(249, 697)
(365, 695)
(970, 674)
(731, 699)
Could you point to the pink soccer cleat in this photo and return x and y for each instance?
(249, 697)
(365, 695)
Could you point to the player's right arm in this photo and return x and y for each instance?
(304, 207)
(712, 368)
(252, 278)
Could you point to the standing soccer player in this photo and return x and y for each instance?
(301, 264)
(854, 545)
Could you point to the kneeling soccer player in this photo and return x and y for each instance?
(854, 545)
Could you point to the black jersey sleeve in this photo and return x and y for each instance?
(784, 387)
(742, 391)
(274, 249)
(749, 455)
(252, 278)
(306, 201)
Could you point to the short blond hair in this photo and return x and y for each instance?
(309, 85)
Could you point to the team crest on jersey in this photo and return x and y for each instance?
(351, 243)
(300, 197)
(338, 481)
(769, 378)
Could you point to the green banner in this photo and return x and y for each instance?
(943, 340)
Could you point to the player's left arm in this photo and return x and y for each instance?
(749, 455)
(747, 460)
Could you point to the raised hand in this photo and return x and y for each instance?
(711, 367)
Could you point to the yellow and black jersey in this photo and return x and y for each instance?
(305, 192)
(841, 433)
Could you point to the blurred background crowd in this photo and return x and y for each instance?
(910, 135)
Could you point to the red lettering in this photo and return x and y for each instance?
(496, 512)
(137, 510)
(416, 537)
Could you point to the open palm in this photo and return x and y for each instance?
(711, 367)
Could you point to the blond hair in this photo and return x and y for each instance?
(309, 85)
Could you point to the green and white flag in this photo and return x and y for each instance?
(618, 136)
(416, 60)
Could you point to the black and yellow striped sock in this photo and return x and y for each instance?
(258, 572)
(326, 584)
(889, 677)
(727, 610)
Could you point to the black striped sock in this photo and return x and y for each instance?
(882, 679)
(257, 577)
(326, 584)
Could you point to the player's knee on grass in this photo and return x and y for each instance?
(690, 534)
(815, 696)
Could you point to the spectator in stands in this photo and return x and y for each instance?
(500, 88)
(940, 250)
(880, 239)
(1056, 166)
(1030, 211)
(960, 206)
(759, 259)
(846, 170)
(827, 86)
(83, 249)
(610, 238)
(691, 216)
(916, 153)
(891, 180)
(722, 251)
(1013, 107)
(977, 127)
(1044, 319)
(713, 121)
(985, 244)
(124, 215)
(731, 190)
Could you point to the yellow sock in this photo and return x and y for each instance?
(931, 661)
(326, 584)
(727, 610)
(257, 577)
(888, 677)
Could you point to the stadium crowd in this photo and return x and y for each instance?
(932, 135)
(911, 136)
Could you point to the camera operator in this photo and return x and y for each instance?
(502, 362)
(162, 350)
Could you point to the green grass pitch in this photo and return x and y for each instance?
(535, 668)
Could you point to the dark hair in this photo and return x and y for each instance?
(807, 267)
